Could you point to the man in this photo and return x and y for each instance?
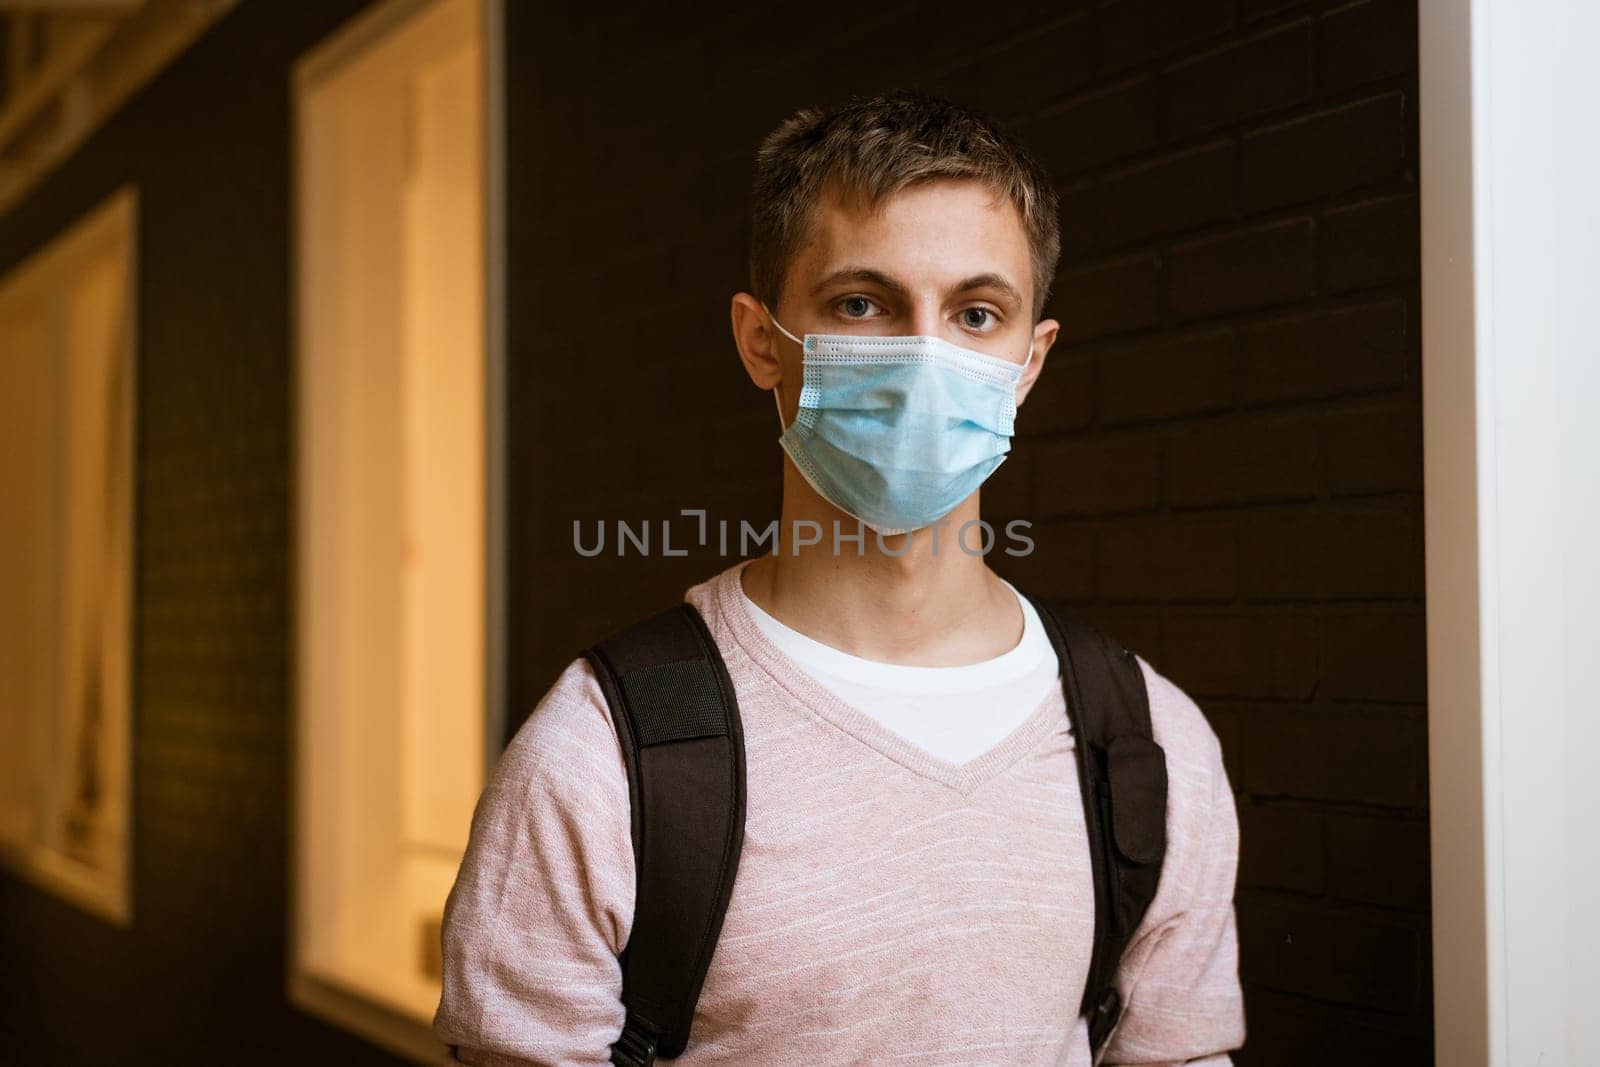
(914, 884)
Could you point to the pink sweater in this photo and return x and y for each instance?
(889, 906)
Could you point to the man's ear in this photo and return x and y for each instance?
(757, 341)
(1044, 335)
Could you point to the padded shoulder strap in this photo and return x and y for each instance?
(1123, 776)
(678, 723)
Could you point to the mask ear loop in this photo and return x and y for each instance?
(1025, 363)
(776, 402)
(774, 320)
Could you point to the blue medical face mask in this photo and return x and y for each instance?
(897, 431)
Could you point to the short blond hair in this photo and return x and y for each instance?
(871, 148)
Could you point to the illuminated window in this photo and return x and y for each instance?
(395, 646)
(66, 475)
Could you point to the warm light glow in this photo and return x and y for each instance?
(392, 362)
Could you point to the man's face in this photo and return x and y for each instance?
(944, 258)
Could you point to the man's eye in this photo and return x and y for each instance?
(977, 318)
(856, 307)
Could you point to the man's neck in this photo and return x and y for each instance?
(924, 603)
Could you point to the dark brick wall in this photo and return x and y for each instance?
(199, 978)
(1222, 460)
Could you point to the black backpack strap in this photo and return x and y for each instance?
(678, 724)
(1123, 775)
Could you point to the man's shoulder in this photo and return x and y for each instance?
(1180, 727)
(568, 735)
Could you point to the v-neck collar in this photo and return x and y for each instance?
(964, 778)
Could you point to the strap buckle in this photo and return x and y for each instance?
(636, 1046)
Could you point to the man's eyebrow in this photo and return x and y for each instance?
(988, 280)
(991, 281)
(860, 274)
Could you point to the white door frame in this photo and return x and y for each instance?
(1511, 432)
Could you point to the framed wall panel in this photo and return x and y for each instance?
(67, 340)
(397, 529)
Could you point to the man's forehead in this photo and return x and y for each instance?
(955, 196)
(958, 228)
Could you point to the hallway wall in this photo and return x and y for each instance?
(199, 977)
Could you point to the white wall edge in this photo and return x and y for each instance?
(1463, 755)
(1511, 370)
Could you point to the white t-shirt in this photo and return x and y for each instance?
(954, 713)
